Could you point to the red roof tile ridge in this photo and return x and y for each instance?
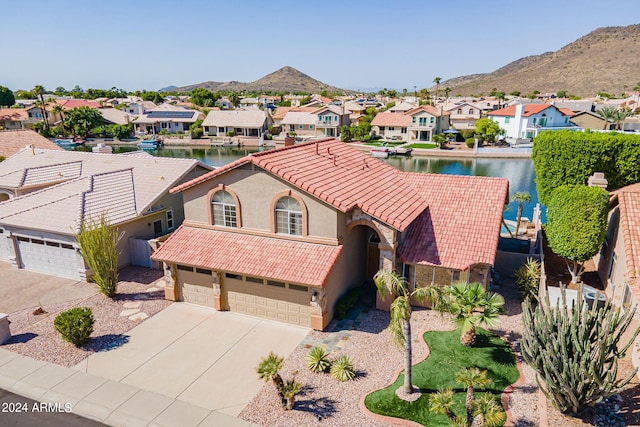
(291, 147)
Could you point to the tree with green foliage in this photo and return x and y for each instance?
(7, 99)
(196, 130)
(620, 115)
(82, 120)
(154, 97)
(437, 81)
(269, 369)
(98, 242)
(306, 100)
(562, 94)
(472, 378)
(234, 98)
(608, 114)
(576, 224)
(515, 93)
(488, 130)
(345, 134)
(470, 305)
(390, 283)
(440, 139)
(575, 349)
(521, 197)
(38, 90)
(203, 97)
(121, 132)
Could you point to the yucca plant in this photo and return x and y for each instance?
(289, 390)
(269, 369)
(317, 360)
(528, 278)
(342, 368)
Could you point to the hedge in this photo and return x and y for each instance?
(569, 157)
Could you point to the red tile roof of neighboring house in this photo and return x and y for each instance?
(12, 141)
(341, 176)
(461, 227)
(14, 114)
(391, 119)
(629, 203)
(529, 110)
(273, 258)
(68, 104)
(429, 109)
(567, 111)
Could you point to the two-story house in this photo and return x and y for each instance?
(282, 234)
(391, 125)
(525, 121)
(331, 118)
(464, 115)
(426, 121)
(167, 118)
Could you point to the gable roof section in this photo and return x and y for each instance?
(14, 114)
(273, 258)
(299, 118)
(341, 176)
(428, 109)
(461, 227)
(629, 204)
(68, 104)
(250, 118)
(391, 119)
(41, 175)
(12, 141)
(529, 110)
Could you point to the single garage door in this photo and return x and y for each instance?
(45, 256)
(5, 252)
(269, 299)
(195, 285)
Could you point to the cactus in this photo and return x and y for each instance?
(575, 350)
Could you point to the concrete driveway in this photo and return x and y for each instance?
(20, 289)
(198, 355)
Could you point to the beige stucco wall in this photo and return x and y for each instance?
(587, 121)
(614, 284)
(256, 189)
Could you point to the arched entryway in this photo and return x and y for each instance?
(373, 253)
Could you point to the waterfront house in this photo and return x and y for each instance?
(330, 120)
(167, 118)
(281, 112)
(47, 192)
(282, 234)
(250, 122)
(12, 118)
(426, 121)
(463, 115)
(589, 120)
(391, 125)
(525, 121)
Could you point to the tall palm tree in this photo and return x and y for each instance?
(470, 305)
(520, 197)
(447, 90)
(608, 113)
(619, 117)
(437, 80)
(389, 282)
(39, 91)
(471, 378)
(58, 110)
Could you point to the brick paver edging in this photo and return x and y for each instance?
(504, 398)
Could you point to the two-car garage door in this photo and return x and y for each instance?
(48, 256)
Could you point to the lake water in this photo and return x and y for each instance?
(520, 172)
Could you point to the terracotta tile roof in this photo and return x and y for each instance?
(567, 112)
(68, 104)
(529, 110)
(282, 111)
(629, 203)
(341, 176)
(429, 109)
(14, 114)
(391, 119)
(273, 258)
(12, 141)
(462, 224)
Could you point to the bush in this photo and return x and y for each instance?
(231, 133)
(367, 138)
(274, 130)
(197, 133)
(317, 360)
(342, 368)
(471, 142)
(98, 243)
(528, 278)
(466, 134)
(346, 303)
(75, 325)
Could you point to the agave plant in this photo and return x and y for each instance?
(342, 368)
(317, 360)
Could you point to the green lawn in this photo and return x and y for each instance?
(423, 145)
(447, 356)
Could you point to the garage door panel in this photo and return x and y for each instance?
(48, 257)
(195, 288)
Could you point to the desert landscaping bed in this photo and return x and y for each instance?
(35, 336)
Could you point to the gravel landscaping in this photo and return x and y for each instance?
(137, 297)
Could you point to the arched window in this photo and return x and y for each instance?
(224, 209)
(289, 216)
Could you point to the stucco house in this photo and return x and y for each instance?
(47, 192)
(589, 120)
(166, 117)
(525, 121)
(242, 122)
(391, 125)
(463, 115)
(323, 121)
(282, 234)
(426, 121)
(619, 259)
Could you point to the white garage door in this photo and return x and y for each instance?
(195, 285)
(272, 300)
(5, 253)
(49, 257)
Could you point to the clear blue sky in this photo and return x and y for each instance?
(356, 44)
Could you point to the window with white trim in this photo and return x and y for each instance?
(289, 216)
(224, 209)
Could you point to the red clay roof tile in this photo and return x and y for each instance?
(629, 203)
(529, 110)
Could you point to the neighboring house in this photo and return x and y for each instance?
(224, 104)
(330, 120)
(578, 106)
(281, 112)
(49, 191)
(525, 121)
(242, 122)
(249, 102)
(309, 121)
(301, 122)
(391, 125)
(69, 104)
(426, 121)
(464, 115)
(12, 141)
(13, 118)
(294, 99)
(619, 259)
(136, 108)
(112, 116)
(168, 118)
(282, 234)
(355, 110)
(402, 107)
(589, 120)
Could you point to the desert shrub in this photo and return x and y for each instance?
(346, 303)
(470, 142)
(75, 325)
(197, 133)
(317, 360)
(528, 278)
(342, 368)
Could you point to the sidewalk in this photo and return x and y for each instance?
(97, 398)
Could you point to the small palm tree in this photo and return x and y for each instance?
(619, 117)
(487, 412)
(389, 282)
(470, 305)
(58, 110)
(441, 403)
(607, 113)
(472, 378)
(269, 369)
(289, 391)
(520, 197)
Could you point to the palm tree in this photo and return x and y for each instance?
(269, 369)
(520, 197)
(437, 82)
(470, 305)
(58, 110)
(619, 117)
(607, 113)
(447, 90)
(389, 282)
(472, 378)
(441, 403)
(487, 412)
(39, 91)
